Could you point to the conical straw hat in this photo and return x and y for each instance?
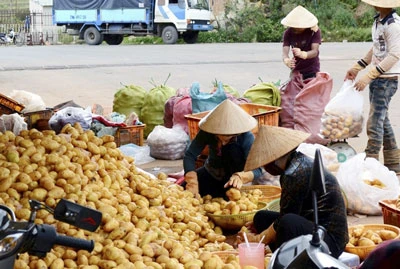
(300, 17)
(227, 118)
(383, 3)
(271, 143)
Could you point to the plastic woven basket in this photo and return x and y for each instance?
(265, 115)
(363, 251)
(224, 255)
(391, 214)
(269, 192)
(274, 205)
(237, 221)
(9, 106)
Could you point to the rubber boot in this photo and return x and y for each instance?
(392, 160)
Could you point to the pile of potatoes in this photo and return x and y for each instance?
(239, 202)
(362, 236)
(147, 222)
(337, 127)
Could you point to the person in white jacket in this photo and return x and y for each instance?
(382, 78)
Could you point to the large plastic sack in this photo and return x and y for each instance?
(169, 111)
(31, 101)
(182, 107)
(167, 143)
(152, 113)
(228, 89)
(71, 115)
(366, 181)
(129, 99)
(303, 103)
(343, 115)
(264, 93)
(202, 101)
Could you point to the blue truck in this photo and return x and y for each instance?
(96, 21)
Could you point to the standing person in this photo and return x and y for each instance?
(305, 95)
(382, 78)
(226, 130)
(302, 38)
(275, 150)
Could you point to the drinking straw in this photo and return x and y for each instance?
(245, 239)
(259, 243)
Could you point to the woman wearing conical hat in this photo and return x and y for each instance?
(302, 38)
(226, 130)
(275, 149)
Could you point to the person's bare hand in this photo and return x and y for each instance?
(251, 237)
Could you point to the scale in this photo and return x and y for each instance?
(343, 149)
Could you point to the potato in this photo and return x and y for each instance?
(387, 235)
(363, 241)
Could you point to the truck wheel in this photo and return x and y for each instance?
(92, 36)
(190, 37)
(169, 35)
(113, 39)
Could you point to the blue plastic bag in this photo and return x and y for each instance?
(203, 101)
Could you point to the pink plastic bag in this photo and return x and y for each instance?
(303, 103)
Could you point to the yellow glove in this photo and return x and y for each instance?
(239, 178)
(289, 63)
(192, 184)
(353, 72)
(366, 79)
(299, 53)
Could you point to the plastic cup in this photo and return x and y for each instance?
(253, 255)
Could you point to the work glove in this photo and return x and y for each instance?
(289, 62)
(239, 178)
(366, 79)
(352, 73)
(192, 184)
(299, 53)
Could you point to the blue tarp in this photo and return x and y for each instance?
(99, 4)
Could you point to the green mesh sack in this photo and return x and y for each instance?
(228, 89)
(129, 99)
(264, 93)
(153, 107)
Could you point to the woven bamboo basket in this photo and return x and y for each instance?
(269, 192)
(237, 221)
(363, 251)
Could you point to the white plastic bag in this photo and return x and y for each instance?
(14, 123)
(31, 101)
(71, 115)
(329, 156)
(343, 115)
(356, 175)
(167, 143)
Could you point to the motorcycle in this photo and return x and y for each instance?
(18, 237)
(8, 38)
(308, 251)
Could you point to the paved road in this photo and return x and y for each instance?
(92, 74)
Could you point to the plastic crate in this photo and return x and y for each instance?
(9, 106)
(38, 119)
(130, 135)
(390, 213)
(265, 115)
